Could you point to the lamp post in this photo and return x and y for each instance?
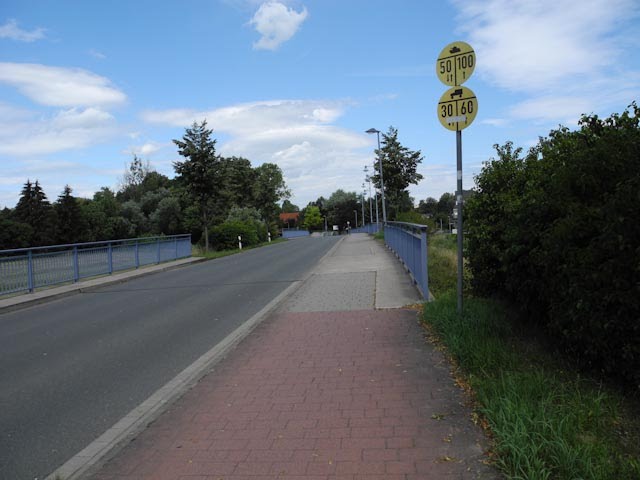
(368, 180)
(384, 207)
(356, 212)
(364, 218)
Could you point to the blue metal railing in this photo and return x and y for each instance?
(369, 228)
(25, 269)
(409, 242)
(294, 233)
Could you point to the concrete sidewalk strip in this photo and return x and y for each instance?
(316, 395)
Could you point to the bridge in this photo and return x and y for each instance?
(309, 325)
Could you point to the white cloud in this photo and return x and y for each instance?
(495, 122)
(66, 130)
(97, 54)
(316, 156)
(524, 45)
(276, 23)
(254, 117)
(147, 149)
(566, 57)
(12, 31)
(60, 87)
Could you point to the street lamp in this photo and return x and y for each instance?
(364, 217)
(384, 208)
(368, 180)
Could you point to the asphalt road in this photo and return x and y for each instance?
(71, 368)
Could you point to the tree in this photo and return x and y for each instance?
(268, 189)
(200, 173)
(34, 209)
(399, 166)
(340, 206)
(13, 234)
(137, 222)
(428, 207)
(556, 234)
(70, 224)
(288, 207)
(239, 178)
(132, 180)
(167, 217)
(312, 218)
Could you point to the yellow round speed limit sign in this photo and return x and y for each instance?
(457, 108)
(456, 63)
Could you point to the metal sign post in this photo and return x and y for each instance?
(457, 109)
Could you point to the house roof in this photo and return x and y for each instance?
(290, 216)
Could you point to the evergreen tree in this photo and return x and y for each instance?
(70, 224)
(34, 209)
(200, 173)
(400, 167)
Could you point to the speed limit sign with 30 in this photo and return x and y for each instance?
(457, 108)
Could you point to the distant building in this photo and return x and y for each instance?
(290, 220)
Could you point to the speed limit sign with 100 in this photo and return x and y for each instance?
(457, 108)
(456, 63)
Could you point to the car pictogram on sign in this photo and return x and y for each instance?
(456, 93)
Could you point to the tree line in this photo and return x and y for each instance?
(555, 233)
(399, 170)
(208, 190)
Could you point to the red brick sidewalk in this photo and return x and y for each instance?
(341, 395)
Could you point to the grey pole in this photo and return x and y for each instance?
(370, 207)
(459, 205)
(377, 215)
(356, 212)
(384, 207)
(368, 179)
(364, 219)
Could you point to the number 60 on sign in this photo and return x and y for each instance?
(457, 108)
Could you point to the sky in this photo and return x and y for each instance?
(85, 85)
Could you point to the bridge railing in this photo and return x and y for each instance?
(25, 269)
(409, 242)
(369, 228)
(290, 233)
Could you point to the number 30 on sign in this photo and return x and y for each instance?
(457, 108)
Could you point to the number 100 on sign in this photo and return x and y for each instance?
(457, 108)
(456, 63)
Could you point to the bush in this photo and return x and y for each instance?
(225, 235)
(411, 216)
(556, 233)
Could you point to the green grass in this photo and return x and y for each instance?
(442, 263)
(198, 251)
(547, 422)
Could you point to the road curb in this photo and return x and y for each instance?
(106, 446)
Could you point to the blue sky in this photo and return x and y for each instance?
(84, 84)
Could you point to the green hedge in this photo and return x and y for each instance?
(225, 235)
(558, 234)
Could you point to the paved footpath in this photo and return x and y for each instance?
(327, 387)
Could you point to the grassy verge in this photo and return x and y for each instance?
(547, 422)
(197, 251)
(443, 264)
